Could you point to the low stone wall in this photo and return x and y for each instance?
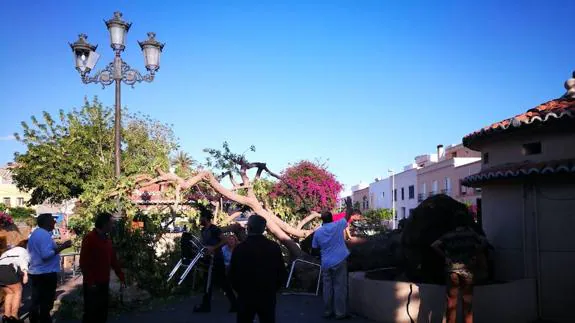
(404, 302)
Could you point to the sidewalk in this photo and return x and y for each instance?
(290, 309)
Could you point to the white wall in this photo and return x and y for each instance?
(516, 219)
(405, 180)
(380, 194)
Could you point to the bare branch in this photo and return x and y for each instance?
(280, 229)
(231, 217)
(307, 219)
(231, 176)
(241, 187)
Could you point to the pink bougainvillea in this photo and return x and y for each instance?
(309, 186)
(5, 220)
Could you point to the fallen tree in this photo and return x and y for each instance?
(245, 177)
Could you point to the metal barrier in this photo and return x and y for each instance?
(291, 274)
(75, 268)
(189, 264)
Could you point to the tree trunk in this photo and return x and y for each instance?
(275, 225)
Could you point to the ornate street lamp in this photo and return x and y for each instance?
(117, 71)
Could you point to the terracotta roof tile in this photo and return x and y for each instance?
(548, 111)
(524, 169)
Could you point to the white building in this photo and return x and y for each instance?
(405, 191)
(380, 194)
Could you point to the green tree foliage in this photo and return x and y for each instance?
(74, 152)
(225, 159)
(19, 212)
(183, 163)
(378, 214)
(280, 205)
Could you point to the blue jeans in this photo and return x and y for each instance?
(335, 289)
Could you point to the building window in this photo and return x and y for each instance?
(411, 192)
(383, 194)
(424, 188)
(20, 201)
(434, 187)
(533, 148)
(454, 154)
(447, 185)
(485, 158)
(395, 194)
(365, 203)
(6, 201)
(402, 193)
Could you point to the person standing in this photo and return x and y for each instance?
(257, 273)
(213, 239)
(97, 257)
(13, 273)
(460, 248)
(44, 268)
(329, 239)
(228, 249)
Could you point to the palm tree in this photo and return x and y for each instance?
(183, 161)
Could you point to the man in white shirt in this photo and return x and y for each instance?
(44, 268)
(329, 239)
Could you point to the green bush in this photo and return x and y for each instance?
(136, 251)
(19, 212)
(378, 214)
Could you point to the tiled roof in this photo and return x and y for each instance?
(549, 111)
(516, 170)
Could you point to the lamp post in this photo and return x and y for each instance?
(117, 71)
(392, 198)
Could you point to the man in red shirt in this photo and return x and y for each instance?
(354, 216)
(97, 257)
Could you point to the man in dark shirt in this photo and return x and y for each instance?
(460, 249)
(213, 239)
(257, 272)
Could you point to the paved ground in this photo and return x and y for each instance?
(291, 309)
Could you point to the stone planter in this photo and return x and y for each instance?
(399, 302)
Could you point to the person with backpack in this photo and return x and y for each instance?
(13, 274)
(460, 248)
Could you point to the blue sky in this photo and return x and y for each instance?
(366, 85)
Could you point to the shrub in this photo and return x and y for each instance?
(137, 252)
(378, 214)
(433, 218)
(23, 213)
